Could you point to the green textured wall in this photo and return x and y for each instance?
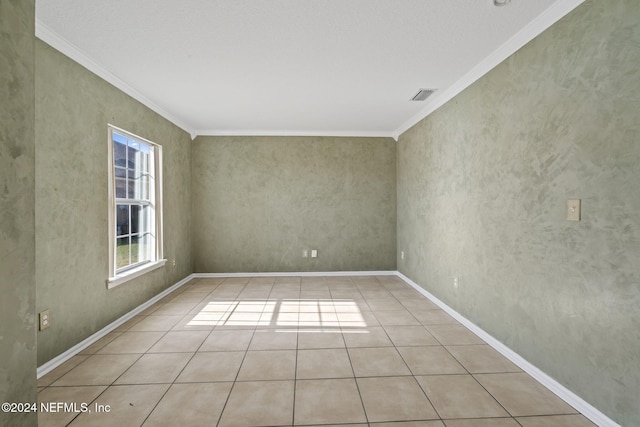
(259, 201)
(73, 108)
(482, 187)
(17, 192)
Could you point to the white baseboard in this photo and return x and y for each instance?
(63, 357)
(555, 387)
(561, 391)
(300, 274)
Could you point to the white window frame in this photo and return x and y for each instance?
(119, 277)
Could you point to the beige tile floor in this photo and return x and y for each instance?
(303, 351)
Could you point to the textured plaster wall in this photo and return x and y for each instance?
(259, 201)
(482, 187)
(17, 228)
(73, 108)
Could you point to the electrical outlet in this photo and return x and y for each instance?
(401, 254)
(173, 263)
(456, 282)
(573, 210)
(305, 253)
(314, 253)
(45, 319)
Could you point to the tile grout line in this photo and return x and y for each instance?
(226, 402)
(185, 365)
(464, 367)
(512, 416)
(88, 356)
(364, 409)
(407, 365)
(107, 386)
(295, 371)
(174, 380)
(448, 352)
(483, 387)
(238, 297)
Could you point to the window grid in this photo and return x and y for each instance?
(136, 221)
(137, 208)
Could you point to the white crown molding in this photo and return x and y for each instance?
(48, 36)
(439, 98)
(554, 386)
(546, 19)
(352, 134)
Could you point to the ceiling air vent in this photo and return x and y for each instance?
(422, 94)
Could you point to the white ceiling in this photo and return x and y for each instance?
(292, 67)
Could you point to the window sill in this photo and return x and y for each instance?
(112, 282)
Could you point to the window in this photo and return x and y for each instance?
(135, 214)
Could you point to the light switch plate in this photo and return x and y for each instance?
(314, 253)
(573, 210)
